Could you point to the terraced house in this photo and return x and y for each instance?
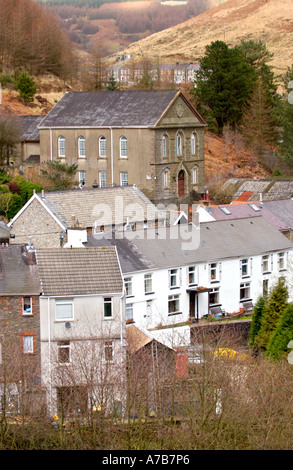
(151, 138)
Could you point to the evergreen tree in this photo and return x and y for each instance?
(257, 315)
(223, 85)
(282, 334)
(276, 304)
(58, 176)
(285, 120)
(25, 85)
(112, 84)
(258, 125)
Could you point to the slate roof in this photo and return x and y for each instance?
(130, 108)
(247, 210)
(18, 271)
(270, 189)
(79, 271)
(90, 204)
(29, 127)
(219, 240)
(283, 209)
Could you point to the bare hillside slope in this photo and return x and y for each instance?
(234, 20)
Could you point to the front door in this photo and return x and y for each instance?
(181, 183)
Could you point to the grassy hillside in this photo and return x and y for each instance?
(270, 21)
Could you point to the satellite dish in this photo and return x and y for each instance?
(67, 324)
(290, 357)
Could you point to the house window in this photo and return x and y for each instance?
(282, 261)
(129, 312)
(173, 278)
(244, 264)
(179, 144)
(194, 175)
(102, 146)
(266, 265)
(28, 344)
(192, 278)
(244, 290)
(64, 309)
(82, 178)
(27, 306)
(148, 283)
(214, 296)
(81, 147)
(63, 348)
(214, 272)
(103, 179)
(265, 287)
(166, 178)
(128, 286)
(193, 143)
(165, 143)
(107, 307)
(108, 351)
(123, 147)
(173, 304)
(123, 178)
(61, 146)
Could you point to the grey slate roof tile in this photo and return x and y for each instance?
(84, 204)
(219, 240)
(109, 108)
(79, 271)
(18, 271)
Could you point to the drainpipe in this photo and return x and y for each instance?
(51, 145)
(49, 355)
(112, 158)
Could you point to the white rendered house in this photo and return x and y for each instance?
(235, 262)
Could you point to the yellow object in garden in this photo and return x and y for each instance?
(55, 417)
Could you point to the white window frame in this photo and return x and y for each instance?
(214, 291)
(282, 261)
(123, 147)
(214, 270)
(28, 344)
(193, 143)
(246, 287)
(179, 144)
(102, 146)
(108, 301)
(128, 286)
(82, 178)
(61, 146)
(192, 271)
(64, 302)
(102, 179)
(81, 147)
(245, 267)
(62, 346)
(123, 178)
(166, 173)
(129, 312)
(174, 299)
(194, 175)
(108, 346)
(148, 283)
(174, 278)
(26, 312)
(266, 264)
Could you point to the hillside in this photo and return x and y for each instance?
(270, 21)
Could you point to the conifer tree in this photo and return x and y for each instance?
(282, 335)
(276, 304)
(257, 315)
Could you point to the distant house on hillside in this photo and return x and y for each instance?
(151, 138)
